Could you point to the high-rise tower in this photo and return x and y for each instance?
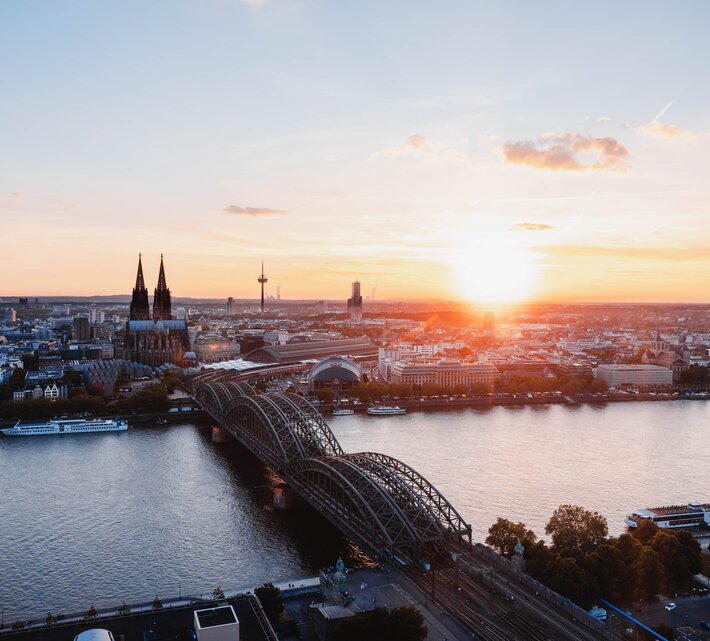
(140, 308)
(355, 303)
(262, 280)
(162, 307)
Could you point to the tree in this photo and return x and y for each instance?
(645, 531)
(566, 577)
(691, 552)
(648, 573)
(479, 389)
(50, 620)
(157, 603)
(124, 608)
(218, 593)
(598, 386)
(270, 598)
(504, 535)
(325, 395)
(630, 548)
(573, 386)
(680, 556)
(608, 566)
(576, 531)
(406, 624)
(91, 613)
(19, 624)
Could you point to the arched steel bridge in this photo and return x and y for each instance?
(382, 504)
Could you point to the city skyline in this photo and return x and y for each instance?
(336, 142)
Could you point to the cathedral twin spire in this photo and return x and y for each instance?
(140, 307)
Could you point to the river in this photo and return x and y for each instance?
(99, 518)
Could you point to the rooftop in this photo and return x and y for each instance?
(213, 617)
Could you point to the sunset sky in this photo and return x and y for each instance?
(524, 151)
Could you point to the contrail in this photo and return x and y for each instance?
(662, 111)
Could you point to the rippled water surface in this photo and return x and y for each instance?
(99, 518)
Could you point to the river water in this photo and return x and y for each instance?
(99, 518)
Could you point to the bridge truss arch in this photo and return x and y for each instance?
(381, 503)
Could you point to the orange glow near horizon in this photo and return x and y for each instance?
(494, 271)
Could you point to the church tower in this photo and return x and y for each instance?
(162, 309)
(140, 308)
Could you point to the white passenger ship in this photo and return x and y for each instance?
(672, 516)
(382, 410)
(343, 412)
(70, 426)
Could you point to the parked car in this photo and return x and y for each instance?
(671, 606)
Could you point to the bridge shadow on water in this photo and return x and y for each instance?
(318, 542)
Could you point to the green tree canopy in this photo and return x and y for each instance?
(270, 597)
(504, 535)
(325, 395)
(649, 573)
(576, 531)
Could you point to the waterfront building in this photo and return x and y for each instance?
(107, 374)
(336, 373)
(158, 340)
(355, 303)
(634, 375)
(674, 357)
(447, 372)
(523, 369)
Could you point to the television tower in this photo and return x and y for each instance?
(262, 279)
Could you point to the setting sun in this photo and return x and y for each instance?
(495, 270)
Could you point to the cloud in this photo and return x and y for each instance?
(415, 144)
(236, 210)
(663, 130)
(568, 152)
(532, 227)
(419, 147)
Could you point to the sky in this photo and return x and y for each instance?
(547, 151)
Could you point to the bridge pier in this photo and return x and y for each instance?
(285, 498)
(220, 435)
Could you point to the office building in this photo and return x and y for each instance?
(355, 303)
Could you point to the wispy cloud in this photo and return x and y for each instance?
(532, 227)
(568, 152)
(236, 210)
(416, 144)
(663, 130)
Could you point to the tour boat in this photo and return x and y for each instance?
(383, 410)
(343, 412)
(672, 516)
(71, 426)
